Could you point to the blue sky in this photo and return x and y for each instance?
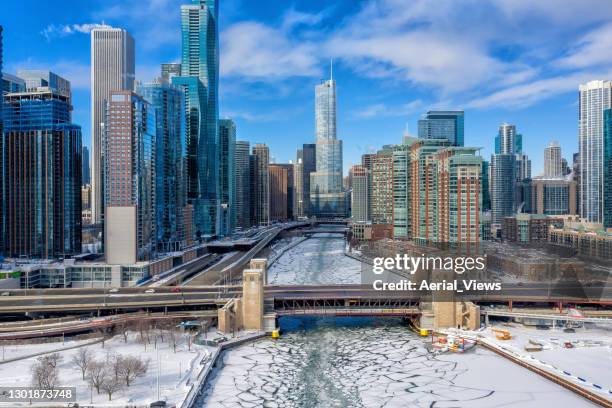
(516, 61)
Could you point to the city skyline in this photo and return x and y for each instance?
(364, 119)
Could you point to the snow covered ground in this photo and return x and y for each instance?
(590, 357)
(177, 371)
(10, 351)
(371, 363)
(319, 260)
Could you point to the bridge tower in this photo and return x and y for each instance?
(253, 298)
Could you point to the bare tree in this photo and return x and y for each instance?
(96, 372)
(174, 335)
(116, 363)
(131, 368)
(123, 328)
(102, 332)
(52, 359)
(188, 339)
(82, 359)
(44, 375)
(110, 385)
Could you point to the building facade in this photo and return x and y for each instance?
(382, 187)
(298, 184)
(281, 192)
(112, 69)
(309, 166)
(227, 176)
(447, 125)
(595, 98)
(260, 184)
(85, 169)
(552, 161)
(242, 170)
(503, 183)
(360, 193)
(130, 222)
(41, 168)
(556, 196)
(607, 169)
(170, 70)
(170, 155)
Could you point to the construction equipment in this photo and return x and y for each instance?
(502, 334)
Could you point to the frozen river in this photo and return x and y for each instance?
(363, 362)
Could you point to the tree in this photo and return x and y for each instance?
(96, 372)
(82, 359)
(44, 375)
(110, 384)
(123, 328)
(52, 359)
(188, 339)
(132, 367)
(173, 335)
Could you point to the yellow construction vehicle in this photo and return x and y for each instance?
(502, 334)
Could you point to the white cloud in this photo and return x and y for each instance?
(52, 30)
(381, 109)
(594, 48)
(254, 50)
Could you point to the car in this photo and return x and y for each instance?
(6, 294)
(114, 290)
(150, 291)
(176, 289)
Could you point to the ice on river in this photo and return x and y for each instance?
(319, 260)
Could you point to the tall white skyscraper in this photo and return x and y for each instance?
(552, 161)
(595, 97)
(507, 139)
(112, 69)
(326, 195)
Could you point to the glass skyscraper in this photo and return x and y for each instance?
(326, 195)
(607, 170)
(242, 171)
(227, 176)
(41, 167)
(443, 125)
(200, 80)
(595, 98)
(170, 191)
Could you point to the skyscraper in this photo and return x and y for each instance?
(170, 190)
(607, 169)
(595, 98)
(227, 177)
(130, 222)
(200, 80)
(35, 79)
(85, 170)
(552, 161)
(381, 188)
(170, 70)
(112, 69)
(360, 193)
(281, 192)
(41, 167)
(507, 139)
(260, 185)
(2, 175)
(309, 160)
(326, 195)
(447, 125)
(298, 184)
(503, 177)
(242, 170)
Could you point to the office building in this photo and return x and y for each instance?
(447, 125)
(401, 188)
(526, 228)
(170, 190)
(227, 176)
(41, 168)
(486, 187)
(607, 169)
(36, 79)
(85, 170)
(170, 70)
(503, 183)
(112, 69)
(360, 193)
(309, 161)
(242, 170)
(298, 184)
(281, 192)
(549, 196)
(552, 161)
(260, 185)
(11, 83)
(327, 198)
(595, 98)
(200, 80)
(130, 221)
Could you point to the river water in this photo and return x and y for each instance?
(362, 362)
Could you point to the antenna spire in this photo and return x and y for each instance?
(331, 69)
